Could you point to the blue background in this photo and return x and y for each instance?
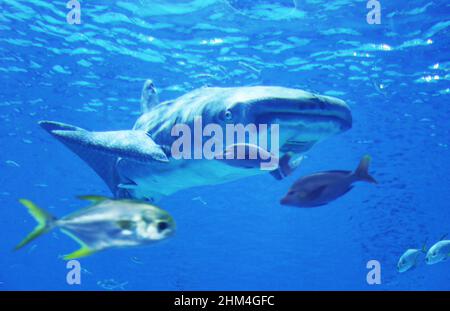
(395, 77)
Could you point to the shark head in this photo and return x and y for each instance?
(304, 118)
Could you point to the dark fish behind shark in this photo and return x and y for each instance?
(321, 188)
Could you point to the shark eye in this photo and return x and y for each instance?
(228, 115)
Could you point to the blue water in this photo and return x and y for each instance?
(394, 76)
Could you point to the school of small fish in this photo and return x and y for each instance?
(410, 259)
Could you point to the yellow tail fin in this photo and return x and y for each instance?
(84, 250)
(44, 220)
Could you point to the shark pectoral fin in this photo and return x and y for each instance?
(295, 163)
(133, 145)
(101, 163)
(286, 166)
(277, 174)
(52, 126)
(83, 251)
(101, 150)
(93, 198)
(283, 170)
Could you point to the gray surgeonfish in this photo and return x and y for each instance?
(410, 258)
(438, 252)
(323, 187)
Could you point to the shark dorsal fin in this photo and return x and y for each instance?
(149, 96)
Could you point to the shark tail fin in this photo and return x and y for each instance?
(362, 171)
(101, 150)
(45, 222)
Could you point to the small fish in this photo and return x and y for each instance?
(105, 224)
(111, 284)
(200, 200)
(253, 156)
(410, 259)
(12, 163)
(321, 188)
(438, 252)
(136, 260)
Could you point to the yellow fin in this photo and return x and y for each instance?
(44, 220)
(83, 251)
(93, 198)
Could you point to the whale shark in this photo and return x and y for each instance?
(138, 163)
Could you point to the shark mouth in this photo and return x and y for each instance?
(310, 111)
(342, 122)
(303, 120)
